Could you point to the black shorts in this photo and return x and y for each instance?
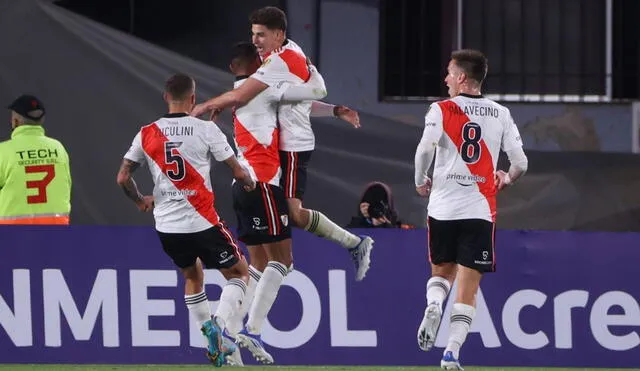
(215, 246)
(468, 242)
(263, 214)
(294, 173)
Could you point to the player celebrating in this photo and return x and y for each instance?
(178, 149)
(285, 61)
(263, 213)
(466, 134)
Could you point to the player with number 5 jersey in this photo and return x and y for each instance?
(35, 180)
(179, 149)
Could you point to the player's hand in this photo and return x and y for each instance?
(502, 179)
(425, 189)
(200, 109)
(347, 114)
(146, 204)
(214, 114)
(364, 209)
(251, 186)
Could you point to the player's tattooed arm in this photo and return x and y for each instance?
(126, 182)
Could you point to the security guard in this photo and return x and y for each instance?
(35, 180)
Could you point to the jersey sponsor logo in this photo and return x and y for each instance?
(466, 180)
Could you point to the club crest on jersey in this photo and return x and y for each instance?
(285, 219)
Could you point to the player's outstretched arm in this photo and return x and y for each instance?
(128, 185)
(236, 97)
(322, 109)
(241, 174)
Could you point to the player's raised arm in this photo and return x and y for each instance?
(427, 148)
(512, 146)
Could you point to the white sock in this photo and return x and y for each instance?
(199, 308)
(461, 317)
(323, 227)
(234, 326)
(437, 290)
(265, 295)
(230, 301)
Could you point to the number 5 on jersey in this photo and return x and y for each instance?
(172, 156)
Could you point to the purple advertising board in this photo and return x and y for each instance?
(89, 294)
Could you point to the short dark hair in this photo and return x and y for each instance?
(244, 53)
(472, 62)
(271, 17)
(179, 86)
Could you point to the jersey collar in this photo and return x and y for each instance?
(30, 130)
(174, 115)
(242, 77)
(470, 96)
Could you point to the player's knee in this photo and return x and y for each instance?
(445, 270)
(296, 216)
(239, 270)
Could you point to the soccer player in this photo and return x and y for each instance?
(283, 60)
(178, 149)
(263, 223)
(35, 181)
(466, 134)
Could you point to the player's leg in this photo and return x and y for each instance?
(475, 257)
(280, 258)
(181, 248)
(270, 237)
(252, 223)
(258, 259)
(218, 249)
(294, 167)
(442, 255)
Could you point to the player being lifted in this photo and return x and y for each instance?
(263, 213)
(465, 133)
(283, 60)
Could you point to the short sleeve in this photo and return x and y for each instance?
(218, 143)
(136, 152)
(272, 71)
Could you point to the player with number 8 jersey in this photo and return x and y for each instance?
(466, 134)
